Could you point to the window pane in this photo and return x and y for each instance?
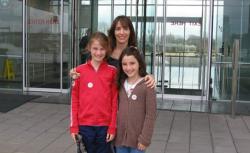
(104, 1)
(104, 18)
(119, 10)
(11, 48)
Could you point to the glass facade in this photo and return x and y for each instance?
(11, 45)
(189, 45)
(230, 60)
(35, 45)
(231, 22)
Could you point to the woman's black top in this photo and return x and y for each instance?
(112, 61)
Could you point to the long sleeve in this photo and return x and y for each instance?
(114, 105)
(150, 117)
(74, 106)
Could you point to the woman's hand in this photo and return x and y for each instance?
(110, 137)
(73, 74)
(141, 146)
(150, 81)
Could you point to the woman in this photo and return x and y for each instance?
(121, 35)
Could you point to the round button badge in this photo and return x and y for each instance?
(90, 84)
(134, 97)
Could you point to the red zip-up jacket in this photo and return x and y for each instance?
(94, 97)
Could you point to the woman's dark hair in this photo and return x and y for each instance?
(126, 23)
(130, 51)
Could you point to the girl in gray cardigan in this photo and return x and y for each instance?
(137, 104)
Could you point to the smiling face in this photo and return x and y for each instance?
(121, 22)
(130, 66)
(122, 34)
(98, 52)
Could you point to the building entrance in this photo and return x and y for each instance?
(181, 52)
(47, 51)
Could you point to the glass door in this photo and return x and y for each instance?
(48, 45)
(181, 53)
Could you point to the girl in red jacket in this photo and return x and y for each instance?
(94, 98)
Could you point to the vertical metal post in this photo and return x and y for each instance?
(144, 29)
(61, 45)
(112, 10)
(209, 58)
(204, 45)
(201, 50)
(44, 68)
(155, 43)
(183, 57)
(24, 46)
(235, 56)
(136, 22)
(164, 47)
(131, 1)
(73, 31)
(126, 6)
(170, 71)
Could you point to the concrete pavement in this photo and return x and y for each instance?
(43, 128)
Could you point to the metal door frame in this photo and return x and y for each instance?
(209, 49)
(25, 53)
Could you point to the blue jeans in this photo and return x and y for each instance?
(128, 150)
(94, 138)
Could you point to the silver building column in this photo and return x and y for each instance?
(235, 65)
(209, 56)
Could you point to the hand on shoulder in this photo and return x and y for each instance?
(150, 81)
(73, 74)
